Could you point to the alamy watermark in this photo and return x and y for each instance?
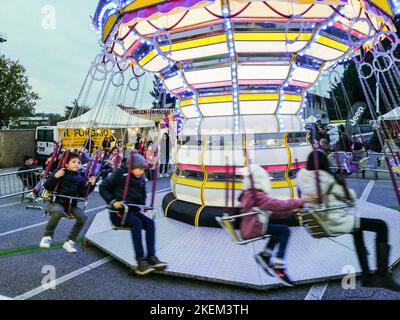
(349, 280)
(49, 280)
(49, 17)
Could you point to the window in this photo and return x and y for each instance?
(45, 135)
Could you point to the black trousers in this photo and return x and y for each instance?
(374, 225)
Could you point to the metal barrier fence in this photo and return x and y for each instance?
(18, 182)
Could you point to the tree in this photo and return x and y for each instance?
(75, 109)
(16, 96)
(160, 95)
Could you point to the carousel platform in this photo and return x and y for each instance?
(208, 254)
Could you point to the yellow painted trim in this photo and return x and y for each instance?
(148, 58)
(245, 97)
(167, 207)
(108, 26)
(140, 4)
(257, 97)
(215, 99)
(222, 185)
(285, 143)
(332, 43)
(197, 216)
(271, 36)
(186, 103)
(205, 177)
(292, 97)
(384, 5)
(194, 43)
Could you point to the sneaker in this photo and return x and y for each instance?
(166, 175)
(283, 278)
(45, 243)
(69, 246)
(161, 175)
(143, 267)
(31, 195)
(378, 280)
(156, 263)
(264, 260)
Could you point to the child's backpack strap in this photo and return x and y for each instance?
(328, 192)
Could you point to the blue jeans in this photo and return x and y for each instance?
(137, 222)
(279, 235)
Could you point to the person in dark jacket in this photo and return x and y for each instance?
(375, 144)
(112, 190)
(66, 181)
(89, 145)
(29, 179)
(344, 143)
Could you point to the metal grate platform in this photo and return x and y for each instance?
(208, 254)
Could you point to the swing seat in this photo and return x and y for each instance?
(311, 219)
(142, 208)
(67, 214)
(227, 222)
(396, 169)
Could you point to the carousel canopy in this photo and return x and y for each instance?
(107, 118)
(239, 57)
(392, 115)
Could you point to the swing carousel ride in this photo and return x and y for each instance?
(241, 70)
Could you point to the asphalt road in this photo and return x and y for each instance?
(22, 263)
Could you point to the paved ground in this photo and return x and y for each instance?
(22, 263)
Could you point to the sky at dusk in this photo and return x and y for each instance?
(54, 41)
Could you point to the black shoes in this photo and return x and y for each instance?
(379, 280)
(148, 265)
(264, 260)
(143, 267)
(156, 263)
(281, 275)
(382, 278)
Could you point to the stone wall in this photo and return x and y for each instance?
(14, 145)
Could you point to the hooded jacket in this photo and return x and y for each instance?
(112, 188)
(257, 195)
(334, 222)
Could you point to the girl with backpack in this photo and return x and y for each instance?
(337, 221)
(256, 186)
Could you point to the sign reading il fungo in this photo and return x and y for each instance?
(76, 138)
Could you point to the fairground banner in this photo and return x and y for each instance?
(76, 138)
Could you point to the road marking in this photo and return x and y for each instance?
(5, 298)
(317, 291)
(69, 276)
(9, 204)
(40, 224)
(367, 190)
(22, 229)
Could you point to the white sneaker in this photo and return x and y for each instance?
(31, 195)
(166, 175)
(45, 243)
(69, 246)
(161, 176)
